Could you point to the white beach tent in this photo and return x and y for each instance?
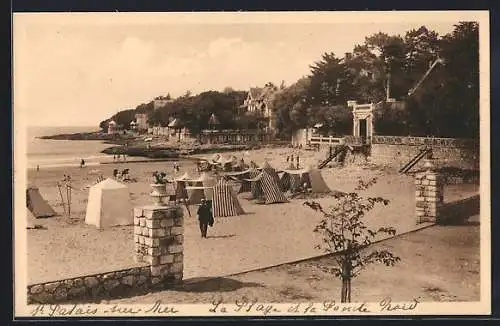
(109, 204)
(200, 188)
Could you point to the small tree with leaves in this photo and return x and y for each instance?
(347, 237)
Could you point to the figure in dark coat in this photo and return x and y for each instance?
(205, 217)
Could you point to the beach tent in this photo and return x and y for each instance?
(109, 204)
(253, 184)
(290, 181)
(30, 219)
(37, 205)
(225, 202)
(271, 171)
(264, 186)
(270, 186)
(310, 177)
(180, 186)
(239, 177)
(199, 188)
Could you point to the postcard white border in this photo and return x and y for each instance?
(483, 307)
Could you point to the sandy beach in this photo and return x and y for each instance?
(69, 247)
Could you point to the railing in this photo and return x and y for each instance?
(326, 140)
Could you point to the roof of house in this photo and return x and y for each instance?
(174, 123)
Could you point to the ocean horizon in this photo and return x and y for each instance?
(60, 153)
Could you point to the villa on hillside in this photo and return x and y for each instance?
(258, 100)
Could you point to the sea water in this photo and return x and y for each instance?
(59, 153)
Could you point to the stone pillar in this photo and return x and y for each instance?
(428, 196)
(158, 236)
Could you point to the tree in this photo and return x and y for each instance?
(422, 47)
(447, 101)
(347, 237)
(284, 103)
(330, 81)
(336, 120)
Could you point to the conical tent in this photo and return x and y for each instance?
(289, 181)
(271, 189)
(225, 202)
(310, 178)
(255, 183)
(30, 219)
(180, 186)
(37, 205)
(318, 184)
(109, 204)
(200, 188)
(185, 176)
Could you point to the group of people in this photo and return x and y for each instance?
(117, 157)
(289, 159)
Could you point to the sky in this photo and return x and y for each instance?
(79, 69)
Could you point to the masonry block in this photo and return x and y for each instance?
(153, 224)
(166, 259)
(166, 222)
(138, 212)
(154, 251)
(157, 233)
(158, 238)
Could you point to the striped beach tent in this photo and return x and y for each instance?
(290, 179)
(271, 188)
(255, 184)
(225, 202)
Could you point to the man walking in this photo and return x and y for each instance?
(205, 217)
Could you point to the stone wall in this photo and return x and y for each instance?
(158, 237)
(450, 152)
(430, 206)
(92, 287)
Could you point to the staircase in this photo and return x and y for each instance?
(332, 156)
(407, 167)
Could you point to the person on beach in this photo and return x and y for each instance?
(37, 168)
(205, 217)
(82, 163)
